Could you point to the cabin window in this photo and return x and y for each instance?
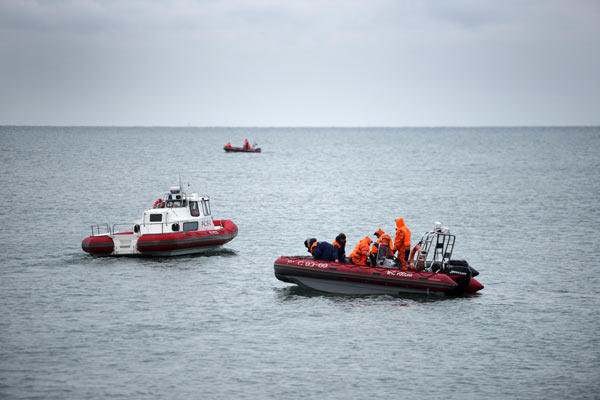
(155, 217)
(194, 210)
(206, 207)
(190, 226)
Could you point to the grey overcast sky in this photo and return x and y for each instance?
(300, 62)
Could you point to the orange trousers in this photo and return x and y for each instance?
(401, 252)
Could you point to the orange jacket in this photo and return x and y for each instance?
(246, 144)
(402, 238)
(385, 239)
(361, 251)
(228, 145)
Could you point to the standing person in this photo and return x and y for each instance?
(402, 242)
(246, 145)
(320, 250)
(339, 247)
(361, 251)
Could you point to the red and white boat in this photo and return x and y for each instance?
(250, 149)
(177, 224)
(432, 272)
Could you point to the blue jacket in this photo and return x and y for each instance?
(323, 251)
(340, 251)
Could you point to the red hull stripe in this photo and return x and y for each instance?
(173, 244)
(186, 240)
(358, 276)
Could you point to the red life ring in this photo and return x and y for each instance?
(157, 203)
(411, 257)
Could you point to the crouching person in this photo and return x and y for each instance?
(320, 250)
(361, 252)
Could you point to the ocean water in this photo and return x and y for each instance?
(523, 202)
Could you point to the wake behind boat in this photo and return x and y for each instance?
(177, 224)
(432, 272)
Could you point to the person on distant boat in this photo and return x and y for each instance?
(228, 145)
(246, 145)
(382, 238)
(320, 250)
(402, 242)
(361, 251)
(339, 246)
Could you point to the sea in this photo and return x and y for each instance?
(523, 202)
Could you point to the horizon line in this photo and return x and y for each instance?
(298, 126)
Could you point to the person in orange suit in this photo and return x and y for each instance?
(361, 251)
(228, 145)
(382, 238)
(402, 242)
(246, 145)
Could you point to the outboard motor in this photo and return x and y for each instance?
(474, 272)
(460, 272)
(435, 253)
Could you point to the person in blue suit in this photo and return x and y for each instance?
(320, 250)
(339, 245)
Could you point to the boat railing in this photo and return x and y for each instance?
(106, 229)
(100, 229)
(121, 224)
(436, 247)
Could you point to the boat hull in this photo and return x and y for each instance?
(241, 150)
(98, 245)
(169, 244)
(350, 279)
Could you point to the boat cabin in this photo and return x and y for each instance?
(177, 211)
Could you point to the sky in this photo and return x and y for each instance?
(300, 62)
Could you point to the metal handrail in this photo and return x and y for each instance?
(443, 246)
(114, 230)
(96, 227)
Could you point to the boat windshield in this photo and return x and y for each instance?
(175, 203)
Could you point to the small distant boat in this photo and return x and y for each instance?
(177, 224)
(241, 150)
(244, 149)
(432, 272)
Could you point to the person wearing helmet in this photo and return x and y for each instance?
(320, 250)
(339, 247)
